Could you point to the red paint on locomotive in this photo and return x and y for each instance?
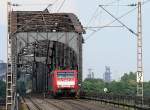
(63, 82)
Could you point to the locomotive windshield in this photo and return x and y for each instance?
(65, 74)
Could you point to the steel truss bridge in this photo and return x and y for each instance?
(39, 42)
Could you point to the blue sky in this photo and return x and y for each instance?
(114, 47)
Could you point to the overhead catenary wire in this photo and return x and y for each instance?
(134, 4)
(146, 1)
(100, 27)
(55, 2)
(108, 24)
(119, 21)
(31, 18)
(61, 5)
(94, 16)
(51, 4)
(113, 2)
(36, 4)
(33, 4)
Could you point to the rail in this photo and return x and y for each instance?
(35, 104)
(120, 100)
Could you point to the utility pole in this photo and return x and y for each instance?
(9, 75)
(140, 74)
(11, 63)
(139, 53)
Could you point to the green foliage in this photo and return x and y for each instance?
(93, 85)
(126, 86)
(2, 89)
(147, 88)
(131, 77)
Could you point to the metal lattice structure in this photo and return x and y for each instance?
(107, 74)
(43, 41)
(10, 67)
(9, 77)
(139, 54)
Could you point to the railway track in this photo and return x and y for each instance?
(32, 105)
(89, 105)
(55, 104)
(78, 106)
(46, 104)
(65, 104)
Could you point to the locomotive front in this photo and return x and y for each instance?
(65, 83)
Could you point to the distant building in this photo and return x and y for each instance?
(107, 74)
(91, 74)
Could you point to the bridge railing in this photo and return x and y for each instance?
(120, 100)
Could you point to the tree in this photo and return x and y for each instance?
(93, 85)
(128, 77)
(126, 86)
(128, 81)
(147, 89)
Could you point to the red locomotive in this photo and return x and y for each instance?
(63, 83)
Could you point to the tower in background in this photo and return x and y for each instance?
(107, 74)
(91, 74)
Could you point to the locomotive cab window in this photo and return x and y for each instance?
(65, 74)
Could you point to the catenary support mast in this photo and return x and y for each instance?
(139, 53)
(9, 75)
